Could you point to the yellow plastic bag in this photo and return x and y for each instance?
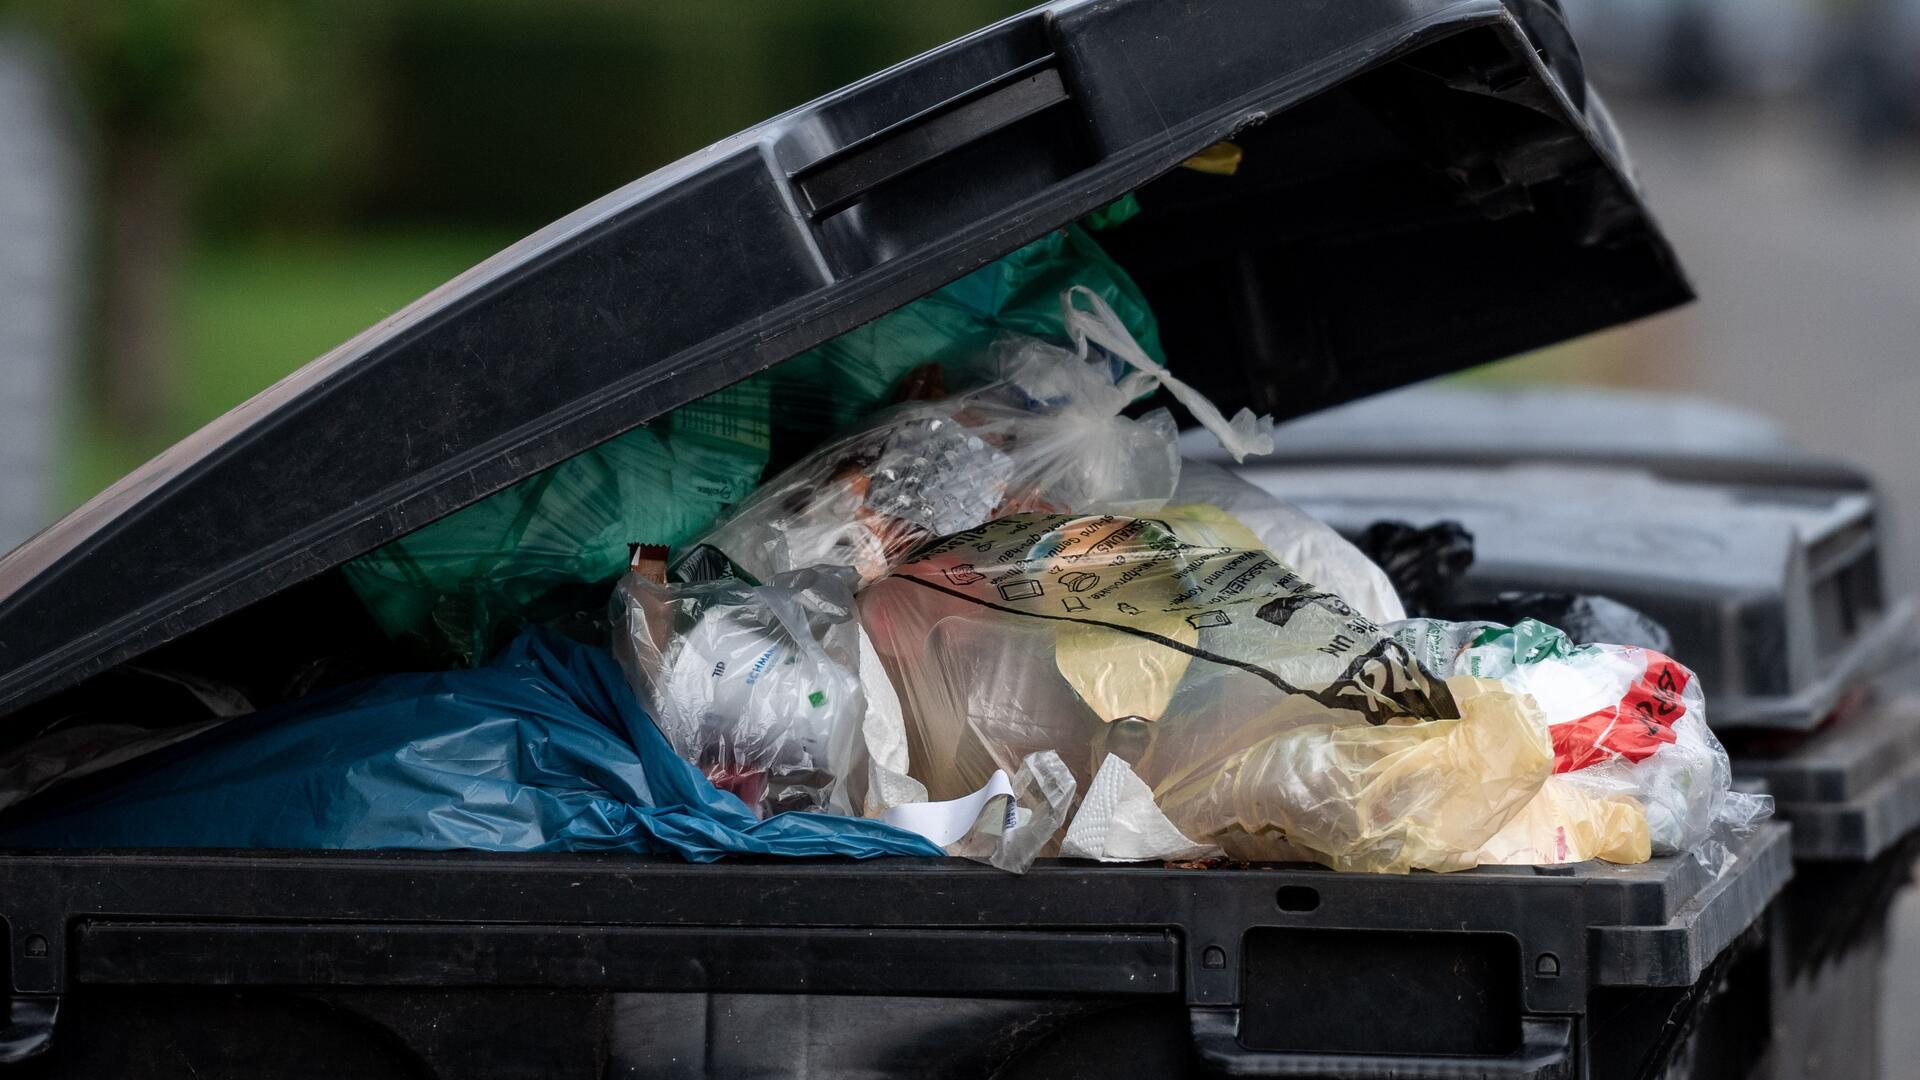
(1388, 799)
(1115, 676)
(1564, 824)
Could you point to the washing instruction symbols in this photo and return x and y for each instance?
(964, 574)
(1080, 581)
(1024, 589)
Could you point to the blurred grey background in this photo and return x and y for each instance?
(1779, 143)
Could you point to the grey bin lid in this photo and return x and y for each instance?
(1427, 185)
(1518, 423)
(1443, 423)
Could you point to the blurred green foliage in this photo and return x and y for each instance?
(342, 157)
(342, 114)
(254, 309)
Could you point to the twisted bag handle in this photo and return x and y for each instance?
(1245, 435)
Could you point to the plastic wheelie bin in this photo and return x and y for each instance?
(1424, 185)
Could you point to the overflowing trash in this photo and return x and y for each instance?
(995, 615)
(1171, 641)
(1174, 658)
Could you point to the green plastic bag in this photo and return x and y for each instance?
(826, 389)
(551, 546)
(466, 583)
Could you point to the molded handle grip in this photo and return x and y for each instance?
(1545, 1053)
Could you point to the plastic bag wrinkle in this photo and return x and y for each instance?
(1046, 433)
(1625, 721)
(1387, 799)
(543, 749)
(759, 686)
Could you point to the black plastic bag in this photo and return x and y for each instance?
(1427, 564)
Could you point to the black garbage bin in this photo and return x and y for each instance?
(1423, 187)
(1811, 669)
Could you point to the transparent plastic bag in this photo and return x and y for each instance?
(1175, 645)
(1565, 823)
(758, 685)
(1307, 544)
(1392, 798)
(1626, 722)
(1048, 434)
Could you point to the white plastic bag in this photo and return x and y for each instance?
(1626, 722)
(1093, 326)
(758, 685)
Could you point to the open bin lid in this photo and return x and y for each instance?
(1427, 185)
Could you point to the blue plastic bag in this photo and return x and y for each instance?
(543, 749)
